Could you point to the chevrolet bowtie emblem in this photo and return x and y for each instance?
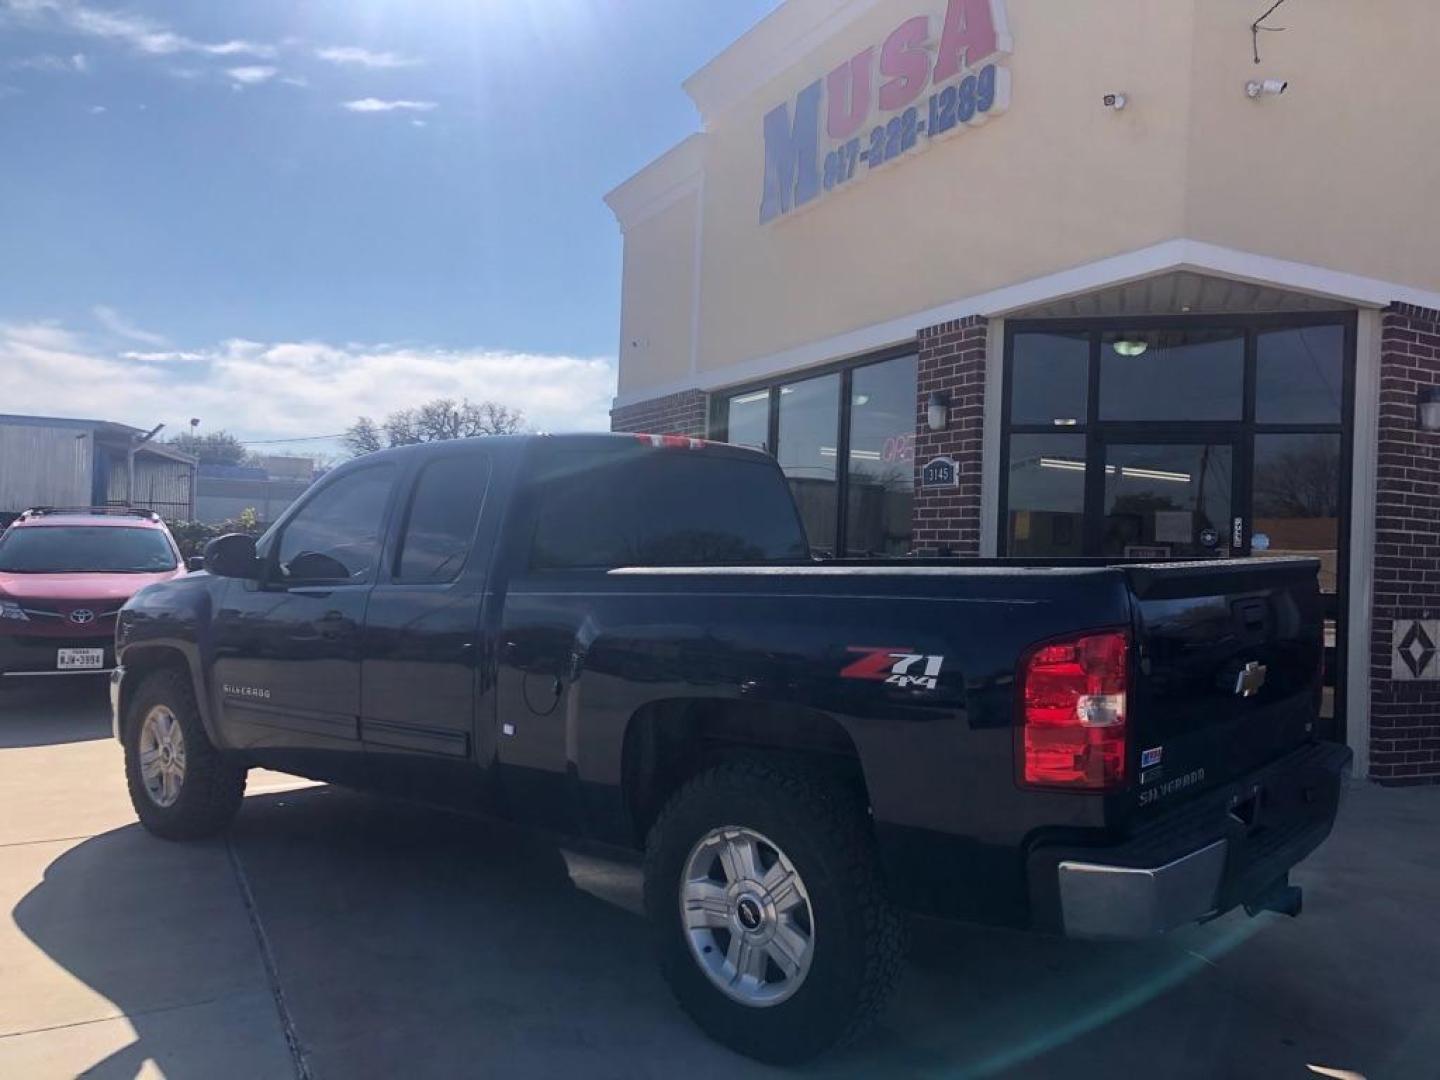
(1250, 679)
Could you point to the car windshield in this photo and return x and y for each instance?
(106, 549)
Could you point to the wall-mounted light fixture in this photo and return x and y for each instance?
(1131, 347)
(1258, 88)
(1429, 408)
(937, 414)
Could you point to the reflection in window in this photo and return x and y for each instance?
(1163, 500)
(1172, 375)
(809, 429)
(749, 420)
(882, 458)
(633, 507)
(335, 536)
(444, 512)
(1050, 379)
(1046, 509)
(1297, 499)
(1299, 375)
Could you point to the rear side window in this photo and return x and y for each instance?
(335, 536)
(649, 508)
(443, 515)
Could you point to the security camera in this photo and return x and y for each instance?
(1256, 88)
(1115, 101)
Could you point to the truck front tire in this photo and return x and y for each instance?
(771, 921)
(181, 786)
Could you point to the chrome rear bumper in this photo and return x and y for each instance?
(1100, 901)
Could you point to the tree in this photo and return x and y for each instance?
(435, 421)
(215, 448)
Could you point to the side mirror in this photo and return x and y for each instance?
(195, 563)
(232, 556)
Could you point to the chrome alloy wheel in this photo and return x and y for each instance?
(162, 756)
(747, 916)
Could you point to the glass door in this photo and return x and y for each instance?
(1164, 499)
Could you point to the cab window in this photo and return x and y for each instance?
(335, 537)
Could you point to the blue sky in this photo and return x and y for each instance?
(274, 214)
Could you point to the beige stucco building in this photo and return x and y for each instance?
(1087, 261)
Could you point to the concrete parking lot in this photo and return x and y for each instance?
(333, 935)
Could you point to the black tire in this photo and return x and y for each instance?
(214, 783)
(823, 829)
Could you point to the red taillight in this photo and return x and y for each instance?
(1072, 697)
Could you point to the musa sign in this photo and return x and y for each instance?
(887, 101)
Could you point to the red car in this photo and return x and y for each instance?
(65, 574)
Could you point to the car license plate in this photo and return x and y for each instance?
(80, 659)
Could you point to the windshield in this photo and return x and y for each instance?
(106, 549)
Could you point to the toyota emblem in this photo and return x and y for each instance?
(82, 616)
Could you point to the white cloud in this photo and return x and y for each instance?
(139, 33)
(355, 56)
(287, 390)
(419, 123)
(252, 74)
(120, 326)
(377, 105)
(98, 110)
(51, 62)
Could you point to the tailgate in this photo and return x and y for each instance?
(1228, 673)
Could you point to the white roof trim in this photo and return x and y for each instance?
(759, 56)
(669, 178)
(1169, 255)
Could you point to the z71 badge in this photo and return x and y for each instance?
(901, 667)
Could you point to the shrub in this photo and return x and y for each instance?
(192, 536)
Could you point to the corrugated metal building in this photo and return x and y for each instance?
(227, 491)
(57, 461)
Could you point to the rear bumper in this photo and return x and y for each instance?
(1228, 848)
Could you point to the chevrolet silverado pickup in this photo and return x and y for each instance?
(626, 638)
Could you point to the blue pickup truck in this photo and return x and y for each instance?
(626, 638)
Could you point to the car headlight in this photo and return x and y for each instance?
(9, 609)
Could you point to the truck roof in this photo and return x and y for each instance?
(578, 440)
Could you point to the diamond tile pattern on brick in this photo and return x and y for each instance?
(1414, 654)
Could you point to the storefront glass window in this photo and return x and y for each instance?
(1172, 375)
(1047, 495)
(1297, 499)
(1299, 375)
(749, 420)
(1163, 500)
(809, 454)
(882, 458)
(1050, 379)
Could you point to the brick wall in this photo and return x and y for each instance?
(676, 414)
(1405, 713)
(952, 361)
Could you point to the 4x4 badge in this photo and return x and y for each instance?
(898, 666)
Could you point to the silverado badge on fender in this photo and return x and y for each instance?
(901, 667)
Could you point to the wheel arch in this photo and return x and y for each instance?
(669, 741)
(142, 661)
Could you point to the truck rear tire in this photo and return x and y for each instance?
(181, 786)
(769, 914)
